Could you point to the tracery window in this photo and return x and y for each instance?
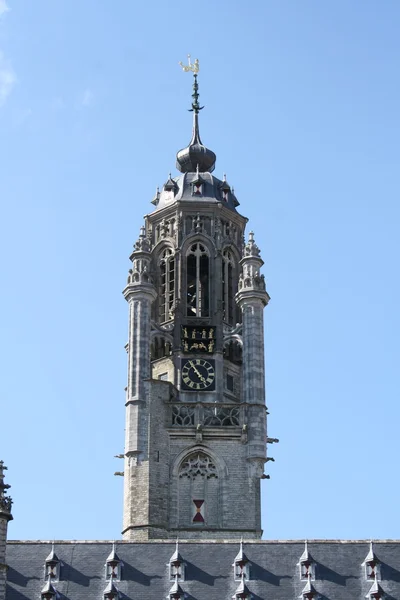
(167, 285)
(228, 304)
(198, 464)
(198, 281)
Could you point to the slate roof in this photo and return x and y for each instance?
(209, 575)
(212, 187)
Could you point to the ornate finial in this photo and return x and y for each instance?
(196, 108)
(195, 67)
(196, 153)
(5, 500)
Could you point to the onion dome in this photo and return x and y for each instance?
(195, 157)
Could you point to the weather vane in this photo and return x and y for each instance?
(195, 67)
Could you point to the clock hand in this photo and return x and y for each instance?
(199, 375)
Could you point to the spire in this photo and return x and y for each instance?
(52, 557)
(195, 155)
(306, 556)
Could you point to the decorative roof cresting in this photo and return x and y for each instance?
(195, 157)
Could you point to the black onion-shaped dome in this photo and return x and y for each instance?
(195, 155)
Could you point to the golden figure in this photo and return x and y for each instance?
(195, 67)
(211, 334)
(204, 334)
(194, 334)
(185, 346)
(211, 346)
(185, 333)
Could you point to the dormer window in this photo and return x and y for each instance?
(376, 592)
(176, 566)
(49, 592)
(170, 188)
(307, 565)
(52, 566)
(242, 592)
(372, 565)
(225, 189)
(241, 565)
(309, 592)
(113, 566)
(111, 592)
(197, 189)
(197, 186)
(176, 592)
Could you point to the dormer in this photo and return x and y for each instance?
(52, 566)
(376, 592)
(306, 564)
(176, 592)
(170, 189)
(113, 565)
(156, 198)
(49, 592)
(176, 566)
(242, 592)
(372, 565)
(309, 592)
(225, 190)
(198, 185)
(111, 592)
(241, 565)
(234, 199)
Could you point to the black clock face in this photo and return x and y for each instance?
(198, 374)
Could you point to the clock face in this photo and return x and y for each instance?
(198, 374)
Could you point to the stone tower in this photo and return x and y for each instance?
(195, 444)
(5, 517)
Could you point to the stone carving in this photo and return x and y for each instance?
(251, 248)
(198, 464)
(6, 503)
(183, 415)
(221, 417)
(143, 243)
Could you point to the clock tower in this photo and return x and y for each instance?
(195, 443)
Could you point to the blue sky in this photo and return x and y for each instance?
(302, 110)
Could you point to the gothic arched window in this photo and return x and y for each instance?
(167, 285)
(198, 281)
(228, 292)
(198, 491)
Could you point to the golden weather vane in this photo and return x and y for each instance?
(194, 67)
